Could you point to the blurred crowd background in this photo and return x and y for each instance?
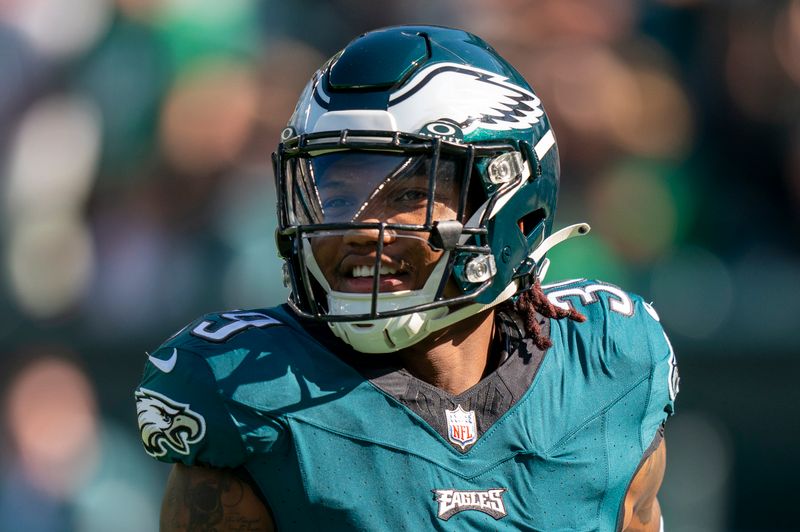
(136, 193)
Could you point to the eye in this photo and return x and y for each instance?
(413, 195)
(337, 202)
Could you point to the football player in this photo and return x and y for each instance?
(419, 376)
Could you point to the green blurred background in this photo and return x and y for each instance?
(136, 193)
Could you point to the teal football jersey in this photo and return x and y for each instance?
(549, 441)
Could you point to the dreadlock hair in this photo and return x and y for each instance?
(532, 303)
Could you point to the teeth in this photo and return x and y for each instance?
(367, 271)
(362, 271)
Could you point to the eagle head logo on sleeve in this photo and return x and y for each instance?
(166, 424)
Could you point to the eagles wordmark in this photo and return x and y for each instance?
(452, 502)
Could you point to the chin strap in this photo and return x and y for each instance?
(552, 241)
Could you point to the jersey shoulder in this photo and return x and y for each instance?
(616, 316)
(220, 332)
(591, 296)
(215, 388)
(622, 337)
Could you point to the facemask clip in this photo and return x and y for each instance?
(445, 234)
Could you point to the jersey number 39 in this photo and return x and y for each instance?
(239, 321)
(618, 300)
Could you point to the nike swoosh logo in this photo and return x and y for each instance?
(165, 365)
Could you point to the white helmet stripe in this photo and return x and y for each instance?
(547, 141)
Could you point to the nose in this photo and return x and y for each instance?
(368, 236)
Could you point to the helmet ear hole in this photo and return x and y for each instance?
(528, 223)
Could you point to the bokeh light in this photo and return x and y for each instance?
(537, 23)
(698, 270)
(54, 30)
(283, 72)
(591, 87)
(50, 265)
(773, 294)
(658, 119)
(208, 116)
(143, 10)
(635, 211)
(67, 129)
(119, 497)
(699, 473)
(787, 39)
(51, 414)
(49, 260)
(755, 77)
(250, 280)
(196, 29)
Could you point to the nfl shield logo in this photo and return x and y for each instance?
(461, 428)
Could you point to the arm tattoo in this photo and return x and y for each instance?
(206, 502)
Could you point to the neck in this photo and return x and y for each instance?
(457, 358)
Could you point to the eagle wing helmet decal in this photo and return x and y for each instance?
(164, 423)
(463, 95)
(470, 97)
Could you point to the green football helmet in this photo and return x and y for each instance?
(414, 133)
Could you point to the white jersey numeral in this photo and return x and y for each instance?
(674, 379)
(239, 322)
(618, 302)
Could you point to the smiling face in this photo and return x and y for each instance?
(372, 188)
